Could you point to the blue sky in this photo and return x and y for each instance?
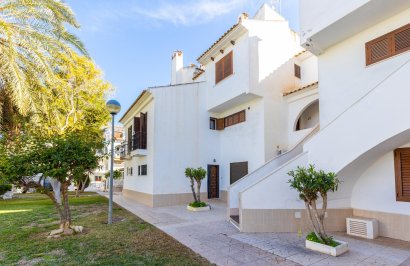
(132, 40)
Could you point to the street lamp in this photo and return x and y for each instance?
(114, 107)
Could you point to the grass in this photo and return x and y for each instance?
(26, 222)
(312, 237)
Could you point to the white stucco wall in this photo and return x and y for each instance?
(315, 15)
(242, 142)
(343, 74)
(375, 189)
(233, 85)
(180, 116)
(142, 183)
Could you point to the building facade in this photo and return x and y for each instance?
(228, 116)
(363, 65)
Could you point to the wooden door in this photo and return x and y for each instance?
(213, 181)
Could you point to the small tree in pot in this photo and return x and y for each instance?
(312, 184)
(196, 176)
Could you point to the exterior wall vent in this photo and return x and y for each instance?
(362, 227)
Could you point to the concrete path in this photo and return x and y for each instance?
(209, 234)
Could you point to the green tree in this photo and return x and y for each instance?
(76, 101)
(311, 185)
(66, 158)
(196, 176)
(32, 34)
(117, 174)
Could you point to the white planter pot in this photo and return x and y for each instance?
(333, 251)
(198, 209)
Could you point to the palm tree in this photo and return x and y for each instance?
(32, 33)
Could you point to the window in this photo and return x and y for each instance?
(98, 179)
(297, 71)
(212, 123)
(235, 119)
(402, 173)
(388, 45)
(237, 171)
(144, 169)
(224, 67)
(129, 171)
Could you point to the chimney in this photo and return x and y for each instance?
(177, 65)
(242, 17)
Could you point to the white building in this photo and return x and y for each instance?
(98, 180)
(228, 116)
(362, 48)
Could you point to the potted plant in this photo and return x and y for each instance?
(196, 176)
(313, 185)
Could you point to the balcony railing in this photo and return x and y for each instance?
(139, 141)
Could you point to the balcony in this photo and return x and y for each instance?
(139, 144)
(125, 153)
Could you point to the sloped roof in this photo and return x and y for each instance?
(215, 43)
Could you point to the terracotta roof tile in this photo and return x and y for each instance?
(220, 38)
(199, 73)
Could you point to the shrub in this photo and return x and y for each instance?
(4, 188)
(197, 204)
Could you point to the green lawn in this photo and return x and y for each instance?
(26, 222)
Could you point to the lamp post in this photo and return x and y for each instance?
(114, 108)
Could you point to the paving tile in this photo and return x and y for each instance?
(210, 235)
(307, 257)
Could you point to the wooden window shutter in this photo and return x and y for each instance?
(137, 124)
(402, 173)
(220, 124)
(297, 71)
(219, 71)
(402, 40)
(378, 50)
(228, 65)
(242, 116)
(388, 45)
(224, 67)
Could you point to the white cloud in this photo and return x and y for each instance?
(191, 12)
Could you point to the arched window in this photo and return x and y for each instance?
(309, 117)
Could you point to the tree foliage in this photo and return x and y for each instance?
(65, 158)
(117, 174)
(32, 34)
(196, 175)
(312, 185)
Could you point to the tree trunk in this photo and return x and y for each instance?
(193, 189)
(315, 229)
(321, 227)
(84, 184)
(67, 223)
(198, 184)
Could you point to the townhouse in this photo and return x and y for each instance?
(363, 65)
(229, 115)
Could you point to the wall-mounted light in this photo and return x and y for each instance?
(214, 160)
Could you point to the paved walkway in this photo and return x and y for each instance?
(209, 234)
